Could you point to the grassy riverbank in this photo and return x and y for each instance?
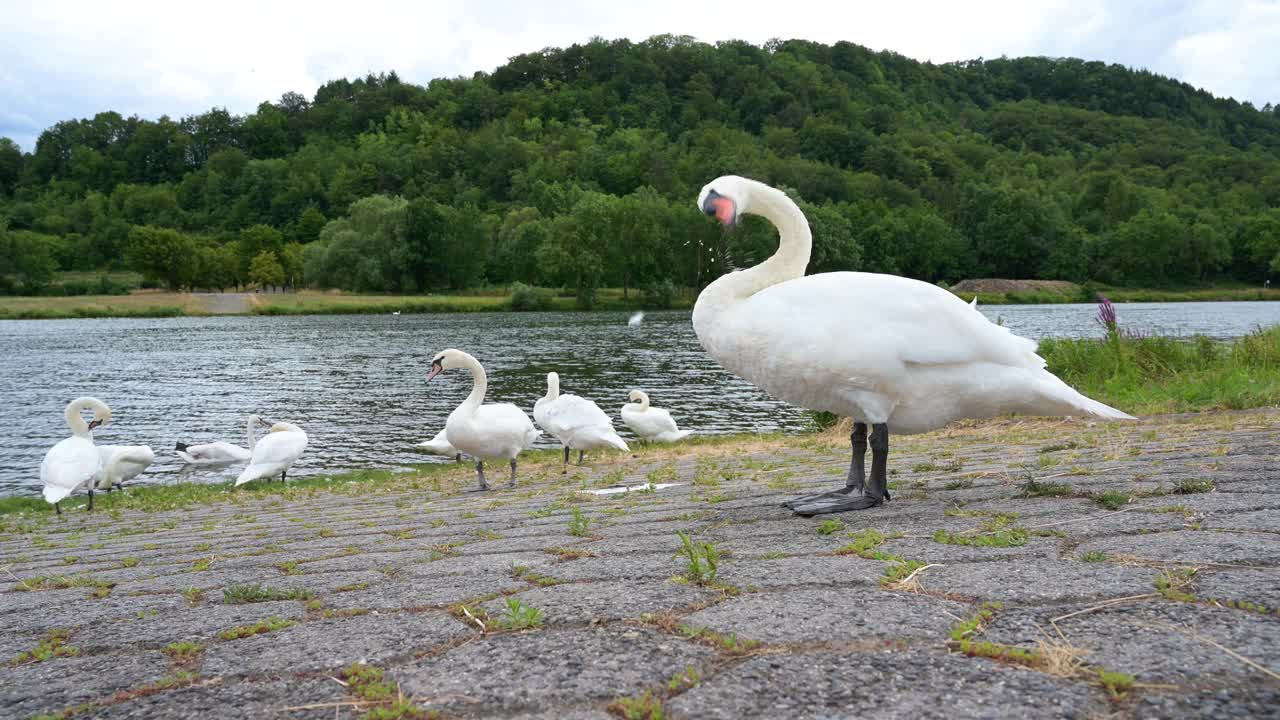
(152, 303)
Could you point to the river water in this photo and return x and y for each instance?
(355, 383)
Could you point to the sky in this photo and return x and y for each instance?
(61, 60)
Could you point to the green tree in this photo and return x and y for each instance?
(265, 270)
(162, 254)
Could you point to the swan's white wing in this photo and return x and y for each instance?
(274, 452)
(499, 430)
(649, 423)
(570, 412)
(122, 462)
(214, 452)
(68, 465)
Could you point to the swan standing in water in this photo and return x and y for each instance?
(74, 461)
(275, 452)
(439, 445)
(219, 452)
(898, 354)
(576, 422)
(498, 431)
(120, 463)
(650, 423)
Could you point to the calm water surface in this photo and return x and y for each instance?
(355, 383)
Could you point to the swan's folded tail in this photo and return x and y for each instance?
(1074, 403)
(672, 435)
(54, 493)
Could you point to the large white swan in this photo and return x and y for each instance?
(218, 452)
(498, 431)
(75, 460)
(275, 452)
(576, 422)
(650, 423)
(120, 463)
(439, 445)
(899, 354)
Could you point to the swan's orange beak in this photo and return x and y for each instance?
(721, 207)
(436, 369)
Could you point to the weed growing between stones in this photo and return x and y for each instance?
(193, 596)
(579, 524)
(639, 707)
(1009, 537)
(864, 544)
(183, 654)
(241, 594)
(352, 587)
(1112, 499)
(730, 643)
(1035, 488)
(289, 567)
(1094, 556)
(63, 582)
(702, 560)
(128, 562)
(53, 645)
(365, 684)
(1117, 684)
(529, 575)
(830, 526)
(1189, 486)
(960, 484)
(1176, 584)
(518, 616)
(565, 554)
(271, 624)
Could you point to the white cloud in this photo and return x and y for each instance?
(61, 59)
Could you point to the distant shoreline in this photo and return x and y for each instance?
(150, 304)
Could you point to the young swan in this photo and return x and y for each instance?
(275, 452)
(74, 461)
(497, 431)
(650, 423)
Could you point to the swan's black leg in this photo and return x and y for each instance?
(282, 474)
(513, 473)
(457, 458)
(857, 471)
(580, 454)
(56, 508)
(876, 488)
(480, 472)
(565, 470)
(90, 498)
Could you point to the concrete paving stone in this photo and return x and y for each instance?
(1259, 587)
(1214, 502)
(604, 601)
(333, 644)
(1153, 640)
(1039, 581)
(831, 615)
(524, 672)
(927, 550)
(202, 580)
(1255, 701)
(231, 700)
(883, 684)
(620, 567)
(69, 611)
(59, 683)
(1254, 520)
(754, 572)
(155, 630)
(1193, 546)
(419, 592)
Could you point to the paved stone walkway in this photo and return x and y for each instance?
(1037, 600)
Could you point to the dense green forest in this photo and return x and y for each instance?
(579, 168)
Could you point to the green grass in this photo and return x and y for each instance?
(579, 524)
(518, 616)
(54, 644)
(1009, 537)
(1150, 375)
(241, 594)
(702, 560)
(1089, 294)
(271, 624)
(1035, 488)
(1112, 499)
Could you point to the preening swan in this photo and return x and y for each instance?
(120, 463)
(900, 355)
(439, 445)
(650, 423)
(275, 452)
(498, 431)
(576, 422)
(74, 461)
(219, 452)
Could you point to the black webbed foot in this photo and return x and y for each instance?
(810, 499)
(838, 504)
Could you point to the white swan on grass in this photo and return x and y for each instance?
(899, 354)
(74, 461)
(650, 423)
(439, 445)
(275, 452)
(576, 422)
(498, 431)
(218, 452)
(121, 463)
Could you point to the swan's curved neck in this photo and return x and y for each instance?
(481, 386)
(795, 243)
(553, 387)
(78, 426)
(644, 401)
(253, 438)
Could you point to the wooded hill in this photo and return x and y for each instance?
(580, 166)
